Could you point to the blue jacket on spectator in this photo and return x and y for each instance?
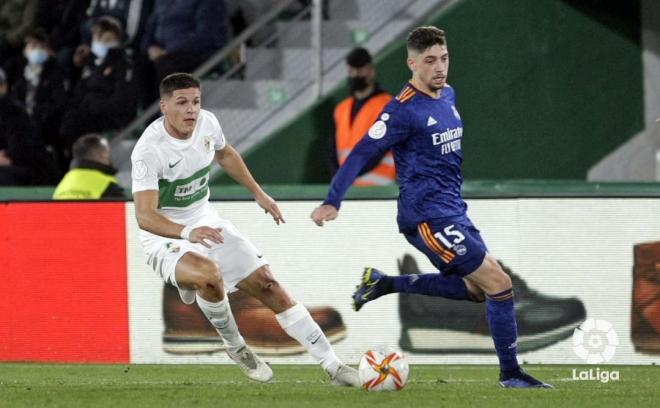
(187, 26)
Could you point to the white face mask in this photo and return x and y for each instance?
(100, 49)
(36, 56)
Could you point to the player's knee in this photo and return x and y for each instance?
(271, 292)
(264, 279)
(500, 281)
(208, 275)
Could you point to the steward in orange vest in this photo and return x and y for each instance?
(354, 116)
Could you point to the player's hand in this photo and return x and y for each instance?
(201, 235)
(325, 212)
(270, 206)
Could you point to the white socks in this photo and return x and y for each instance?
(220, 316)
(298, 324)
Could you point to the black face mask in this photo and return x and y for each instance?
(357, 84)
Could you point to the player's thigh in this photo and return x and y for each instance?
(452, 247)
(236, 256)
(164, 254)
(195, 271)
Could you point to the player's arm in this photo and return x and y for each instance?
(149, 219)
(232, 162)
(381, 137)
(361, 154)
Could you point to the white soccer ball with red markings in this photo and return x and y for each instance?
(383, 369)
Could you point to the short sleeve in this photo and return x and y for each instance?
(146, 169)
(218, 135)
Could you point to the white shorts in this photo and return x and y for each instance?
(236, 257)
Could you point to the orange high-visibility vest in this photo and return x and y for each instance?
(348, 134)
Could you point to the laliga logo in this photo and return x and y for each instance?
(595, 342)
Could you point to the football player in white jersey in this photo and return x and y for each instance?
(192, 248)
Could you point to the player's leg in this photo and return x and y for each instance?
(497, 285)
(195, 272)
(448, 285)
(296, 321)
(186, 266)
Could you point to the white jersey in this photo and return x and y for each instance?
(178, 169)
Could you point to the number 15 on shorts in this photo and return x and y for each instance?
(449, 236)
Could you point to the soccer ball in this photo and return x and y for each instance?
(383, 369)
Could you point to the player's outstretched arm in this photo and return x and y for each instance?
(149, 219)
(363, 152)
(232, 162)
(322, 213)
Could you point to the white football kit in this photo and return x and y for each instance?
(179, 170)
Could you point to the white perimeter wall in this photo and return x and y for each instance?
(561, 247)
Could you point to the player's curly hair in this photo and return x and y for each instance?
(422, 38)
(178, 80)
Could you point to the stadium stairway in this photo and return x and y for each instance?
(278, 80)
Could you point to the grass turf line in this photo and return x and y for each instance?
(63, 385)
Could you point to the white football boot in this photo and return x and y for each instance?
(345, 376)
(251, 364)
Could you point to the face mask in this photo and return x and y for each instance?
(357, 84)
(36, 56)
(100, 49)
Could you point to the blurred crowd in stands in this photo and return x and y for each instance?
(74, 67)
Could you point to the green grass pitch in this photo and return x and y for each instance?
(220, 386)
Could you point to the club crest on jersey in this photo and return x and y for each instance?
(377, 130)
(208, 143)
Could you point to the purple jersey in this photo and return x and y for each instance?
(425, 137)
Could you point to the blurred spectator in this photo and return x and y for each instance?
(40, 87)
(354, 116)
(62, 21)
(17, 18)
(181, 35)
(133, 15)
(23, 158)
(91, 176)
(105, 98)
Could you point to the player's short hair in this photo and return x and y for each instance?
(88, 147)
(358, 57)
(178, 80)
(108, 24)
(422, 38)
